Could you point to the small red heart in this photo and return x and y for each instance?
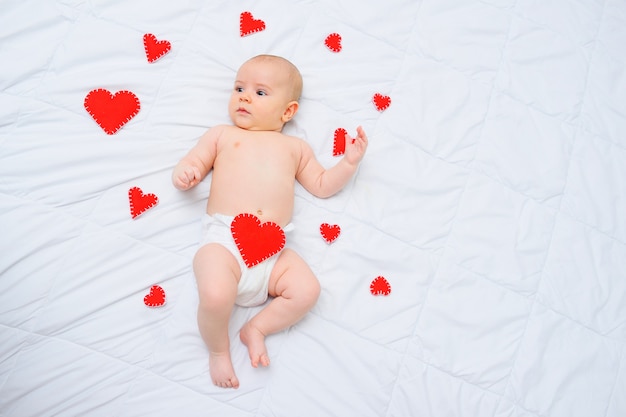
(381, 102)
(155, 49)
(339, 141)
(256, 241)
(333, 42)
(330, 232)
(110, 111)
(249, 25)
(156, 298)
(380, 286)
(140, 202)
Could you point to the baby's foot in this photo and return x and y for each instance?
(221, 370)
(255, 341)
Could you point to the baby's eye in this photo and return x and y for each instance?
(239, 89)
(261, 93)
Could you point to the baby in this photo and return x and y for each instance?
(255, 167)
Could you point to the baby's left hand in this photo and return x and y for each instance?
(355, 147)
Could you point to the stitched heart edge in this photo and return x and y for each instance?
(380, 281)
(140, 210)
(250, 20)
(381, 106)
(339, 149)
(153, 290)
(99, 121)
(325, 228)
(244, 256)
(333, 37)
(168, 47)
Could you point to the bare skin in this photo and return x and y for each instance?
(255, 167)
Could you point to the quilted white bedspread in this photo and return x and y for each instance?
(492, 199)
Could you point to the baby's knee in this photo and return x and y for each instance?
(310, 291)
(216, 279)
(296, 278)
(210, 257)
(211, 298)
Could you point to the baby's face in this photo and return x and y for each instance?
(260, 97)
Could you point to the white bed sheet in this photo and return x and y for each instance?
(492, 198)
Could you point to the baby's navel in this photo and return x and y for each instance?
(259, 212)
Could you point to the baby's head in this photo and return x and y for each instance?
(266, 93)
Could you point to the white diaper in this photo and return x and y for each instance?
(254, 282)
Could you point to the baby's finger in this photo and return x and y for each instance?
(361, 133)
(181, 183)
(358, 142)
(188, 175)
(196, 173)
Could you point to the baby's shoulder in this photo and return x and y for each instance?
(277, 138)
(223, 130)
(224, 133)
(295, 143)
(291, 139)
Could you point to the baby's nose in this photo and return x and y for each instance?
(244, 97)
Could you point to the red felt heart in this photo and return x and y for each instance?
(333, 42)
(381, 102)
(156, 297)
(110, 111)
(380, 286)
(140, 202)
(330, 232)
(155, 49)
(249, 25)
(256, 241)
(339, 141)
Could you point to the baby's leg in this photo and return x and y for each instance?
(217, 272)
(295, 289)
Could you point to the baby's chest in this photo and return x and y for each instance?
(262, 157)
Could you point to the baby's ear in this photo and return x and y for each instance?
(290, 111)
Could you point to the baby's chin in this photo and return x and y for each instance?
(258, 128)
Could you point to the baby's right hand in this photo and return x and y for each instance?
(185, 177)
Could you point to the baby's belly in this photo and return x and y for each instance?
(268, 205)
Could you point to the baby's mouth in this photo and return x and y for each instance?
(242, 110)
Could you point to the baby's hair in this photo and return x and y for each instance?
(295, 78)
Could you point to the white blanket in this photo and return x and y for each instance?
(492, 199)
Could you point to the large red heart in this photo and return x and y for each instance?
(330, 232)
(256, 241)
(140, 202)
(249, 25)
(381, 102)
(333, 42)
(339, 141)
(110, 111)
(380, 286)
(156, 297)
(155, 49)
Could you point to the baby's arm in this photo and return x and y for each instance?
(323, 182)
(194, 166)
